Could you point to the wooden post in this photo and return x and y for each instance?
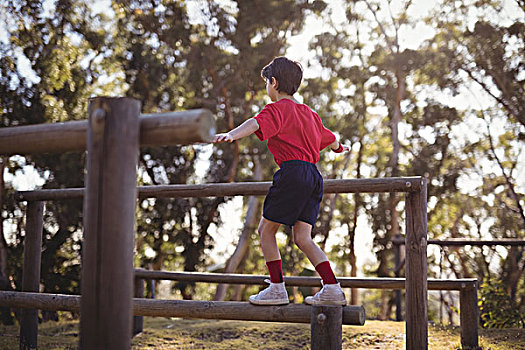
(138, 321)
(150, 289)
(397, 262)
(416, 269)
(109, 220)
(326, 328)
(469, 316)
(31, 272)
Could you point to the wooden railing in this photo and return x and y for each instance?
(157, 129)
(400, 184)
(467, 288)
(114, 133)
(112, 136)
(414, 187)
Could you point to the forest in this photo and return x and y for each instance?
(413, 89)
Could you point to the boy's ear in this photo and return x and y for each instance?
(275, 83)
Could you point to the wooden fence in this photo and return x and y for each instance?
(114, 133)
(409, 185)
(414, 187)
(467, 288)
(399, 241)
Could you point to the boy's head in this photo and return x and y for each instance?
(287, 73)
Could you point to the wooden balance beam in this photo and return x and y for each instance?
(222, 310)
(325, 321)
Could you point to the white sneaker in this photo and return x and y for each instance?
(330, 294)
(275, 294)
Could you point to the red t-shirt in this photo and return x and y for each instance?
(293, 131)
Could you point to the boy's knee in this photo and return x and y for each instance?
(260, 228)
(265, 229)
(297, 241)
(301, 240)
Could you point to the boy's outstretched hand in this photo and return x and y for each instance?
(341, 149)
(226, 137)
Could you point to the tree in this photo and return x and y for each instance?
(485, 55)
(61, 45)
(408, 84)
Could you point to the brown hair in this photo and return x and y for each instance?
(288, 74)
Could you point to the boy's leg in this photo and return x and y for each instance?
(267, 231)
(331, 294)
(302, 236)
(276, 293)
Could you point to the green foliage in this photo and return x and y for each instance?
(366, 72)
(54, 88)
(173, 55)
(496, 307)
(212, 62)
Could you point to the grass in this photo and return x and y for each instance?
(164, 334)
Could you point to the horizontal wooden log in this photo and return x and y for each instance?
(468, 241)
(223, 310)
(302, 281)
(177, 128)
(393, 184)
(160, 129)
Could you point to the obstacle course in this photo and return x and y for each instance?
(114, 132)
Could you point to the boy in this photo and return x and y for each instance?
(295, 137)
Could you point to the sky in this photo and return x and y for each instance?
(298, 50)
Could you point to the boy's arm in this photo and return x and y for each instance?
(338, 147)
(245, 129)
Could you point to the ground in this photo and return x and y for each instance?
(164, 334)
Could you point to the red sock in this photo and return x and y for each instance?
(276, 271)
(326, 273)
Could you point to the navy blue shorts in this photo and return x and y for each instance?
(295, 194)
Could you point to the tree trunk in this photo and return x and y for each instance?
(243, 245)
(394, 172)
(5, 313)
(459, 252)
(238, 289)
(358, 202)
(515, 272)
(3, 243)
(394, 160)
(354, 292)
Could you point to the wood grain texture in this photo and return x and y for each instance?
(225, 310)
(302, 281)
(402, 184)
(416, 308)
(109, 217)
(326, 328)
(469, 317)
(459, 242)
(160, 129)
(31, 272)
